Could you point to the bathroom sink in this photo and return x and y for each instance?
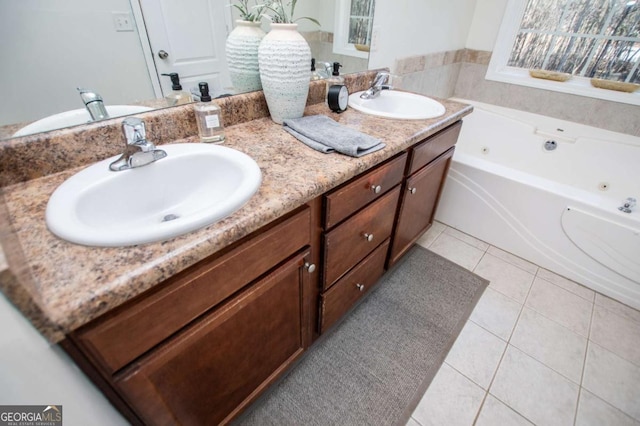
(194, 186)
(75, 117)
(399, 105)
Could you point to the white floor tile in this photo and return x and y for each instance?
(412, 422)
(613, 379)
(514, 260)
(617, 334)
(451, 399)
(456, 251)
(568, 285)
(550, 343)
(496, 313)
(476, 354)
(561, 306)
(592, 411)
(505, 277)
(534, 390)
(430, 236)
(472, 241)
(495, 413)
(617, 307)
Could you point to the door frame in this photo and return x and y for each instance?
(149, 60)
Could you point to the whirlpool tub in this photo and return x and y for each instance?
(549, 191)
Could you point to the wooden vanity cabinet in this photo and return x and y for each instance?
(202, 346)
(428, 166)
(359, 217)
(210, 373)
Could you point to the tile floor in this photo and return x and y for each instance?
(537, 349)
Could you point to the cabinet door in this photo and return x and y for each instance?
(418, 205)
(210, 372)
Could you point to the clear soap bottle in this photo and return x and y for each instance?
(208, 117)
(177, 95)
(334, 79)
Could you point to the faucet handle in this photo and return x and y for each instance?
(629, 202)
(134, 130)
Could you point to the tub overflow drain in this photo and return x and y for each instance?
(550, 145)
(169, 217)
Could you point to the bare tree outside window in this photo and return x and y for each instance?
(360, 20)
(588, 38)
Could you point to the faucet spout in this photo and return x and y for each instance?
(139, 151)
(380, 83)
(94, 104)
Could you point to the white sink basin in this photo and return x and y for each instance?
(399, 105)
(194, 186)
(75, 117)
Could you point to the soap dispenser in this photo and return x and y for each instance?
(177, 95)
(335, 77)
(334, 80)
(208, 117)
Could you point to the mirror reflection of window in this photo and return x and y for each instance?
(360, 23)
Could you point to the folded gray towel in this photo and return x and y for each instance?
(326, 135)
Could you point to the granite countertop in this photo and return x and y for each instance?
(68, 285)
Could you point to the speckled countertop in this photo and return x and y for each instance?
(63, 285)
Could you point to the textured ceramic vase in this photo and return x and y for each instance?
(242, 56)
(285, 63)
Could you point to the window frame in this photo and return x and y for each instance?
(341, 43)
(499, 71)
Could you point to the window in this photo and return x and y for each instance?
(354, 21)
(585, 38)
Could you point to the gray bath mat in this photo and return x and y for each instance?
(373, 367)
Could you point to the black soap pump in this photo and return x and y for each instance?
(177, 95)
(208, 117)
(334, 80)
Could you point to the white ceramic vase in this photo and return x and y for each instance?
(285, 63)
(242, 56)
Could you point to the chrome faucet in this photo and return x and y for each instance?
(94, 104)
(139, 151)
(627, 205)
(379, 84)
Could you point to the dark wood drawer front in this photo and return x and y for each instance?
(427, 151)
(147, 322)
(346, 200)
(208, 373)
(349, 289)
(418, 204)
(358, 236)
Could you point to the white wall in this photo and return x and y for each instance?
(485, 24)
(33, 372)
(50, 47)
(404, 28)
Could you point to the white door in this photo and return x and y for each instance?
(188, 37)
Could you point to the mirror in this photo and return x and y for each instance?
(52, 47)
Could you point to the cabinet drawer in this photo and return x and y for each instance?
(118, 338)
(348, 244)
(427, 151)
(350, 288)
(344, 201)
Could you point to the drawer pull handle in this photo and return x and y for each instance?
(412, 190)
(310, 267)
(368, 237)
(376, 189)
(360, 287)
